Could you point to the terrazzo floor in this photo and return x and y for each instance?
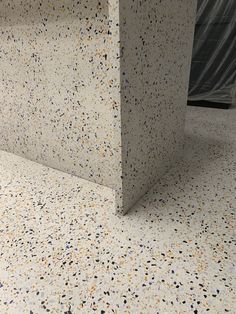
(63, 250)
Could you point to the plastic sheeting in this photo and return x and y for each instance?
(213, 70)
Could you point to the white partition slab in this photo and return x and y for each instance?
(96, 88)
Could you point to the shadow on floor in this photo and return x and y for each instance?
(203, 157)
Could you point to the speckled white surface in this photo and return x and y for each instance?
(96, 88)
(63, 251)
(60, 85)
(156, 48)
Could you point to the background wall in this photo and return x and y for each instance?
(213, 69)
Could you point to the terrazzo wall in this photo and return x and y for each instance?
(58, 105)
(96, 88)
(156, 48)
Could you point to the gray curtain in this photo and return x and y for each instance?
(213, 70)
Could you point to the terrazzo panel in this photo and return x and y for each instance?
(96, 88)
(59, 85)
(63, 251)
(156, 47)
